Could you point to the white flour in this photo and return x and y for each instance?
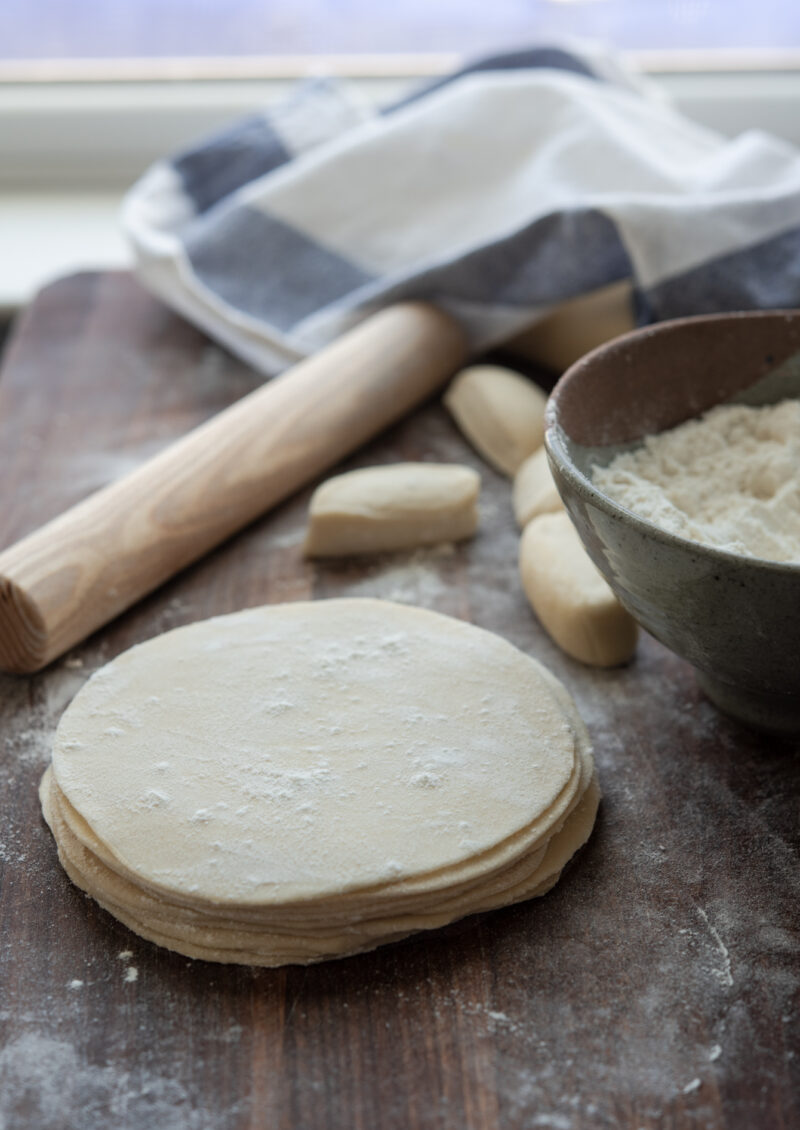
(729, 479)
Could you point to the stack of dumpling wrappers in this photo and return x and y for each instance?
(304, 781)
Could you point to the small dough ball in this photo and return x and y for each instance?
(500, 412)
(534, 489)
(570, 597)
(397, 506)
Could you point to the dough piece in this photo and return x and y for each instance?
(397, 506)
(570, 597)
(408, 893)
(405, 894)
(576, 326)
(299, 782)
(492, 867)
(500, 412)
(302, 750)
(227, 941)
(534, 489)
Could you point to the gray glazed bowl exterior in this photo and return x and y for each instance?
(735, 619)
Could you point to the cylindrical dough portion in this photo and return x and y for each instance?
(578, 325)
(396, 506)
(535, 491)
(500, 412)
(569, 595)
(305, 750)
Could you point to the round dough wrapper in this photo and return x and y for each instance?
(306, 750)
(495, 869)
(408, 893)
(293, 917)
(228, 942)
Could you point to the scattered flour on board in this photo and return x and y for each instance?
(729, 479)
(37, 1071)
(724, 972)
(528, 1079)
(408, 580)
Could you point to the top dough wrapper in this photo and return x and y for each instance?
(303, 750)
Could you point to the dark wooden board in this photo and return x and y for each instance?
(656, 986)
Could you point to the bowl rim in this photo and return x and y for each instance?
(555, 443)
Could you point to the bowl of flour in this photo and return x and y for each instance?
(676, 450)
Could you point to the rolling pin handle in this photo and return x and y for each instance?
(76, 573)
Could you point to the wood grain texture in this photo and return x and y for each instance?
(656, 986)
(83, 568)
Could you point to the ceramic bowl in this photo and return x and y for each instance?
(736, 619)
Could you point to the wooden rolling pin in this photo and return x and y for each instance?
(80, 570)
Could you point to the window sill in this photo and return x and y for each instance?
(47, 234)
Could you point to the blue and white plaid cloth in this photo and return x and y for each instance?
(496, 193)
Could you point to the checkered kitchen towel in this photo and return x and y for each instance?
(497, 193)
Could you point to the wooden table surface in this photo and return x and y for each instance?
(656, 986)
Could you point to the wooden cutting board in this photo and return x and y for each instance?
(656, 986)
